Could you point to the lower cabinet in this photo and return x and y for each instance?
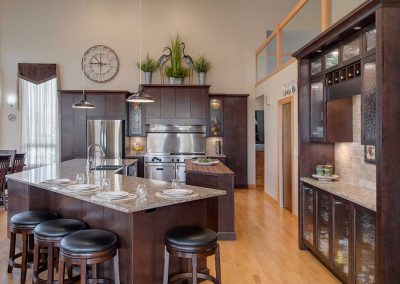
(339, 233)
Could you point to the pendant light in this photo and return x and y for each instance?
(140, 96)
(83, 103)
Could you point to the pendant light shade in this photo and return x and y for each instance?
(140, 97)
(83, 103)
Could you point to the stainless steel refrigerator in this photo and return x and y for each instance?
(109, 134)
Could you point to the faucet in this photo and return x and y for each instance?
(91, 160)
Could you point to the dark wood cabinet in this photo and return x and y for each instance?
(215, 125)
(340, 233)
(317, 110)
(136, 120)
(368, 101)
(184, 105)
(235, 136)
(108, 105)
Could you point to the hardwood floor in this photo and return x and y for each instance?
(265, 250)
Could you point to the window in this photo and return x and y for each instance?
(39, 116)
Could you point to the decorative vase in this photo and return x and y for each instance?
(175, 81)
(147, 77)
(202, 78)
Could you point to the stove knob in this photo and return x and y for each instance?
(172, 160)
(177, 160)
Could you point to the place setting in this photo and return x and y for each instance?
(176, 192)
(112, 196)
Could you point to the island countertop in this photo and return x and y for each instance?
(214, 170)
(362, 196)
(69, 169)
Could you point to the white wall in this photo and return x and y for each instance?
(58, 31)
(271, 89)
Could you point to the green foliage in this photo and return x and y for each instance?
(201, 64)
(148, 64)
(175, 70)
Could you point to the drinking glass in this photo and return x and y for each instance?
(141, 190)
(176, 183)
(80, 178)
(106, 184)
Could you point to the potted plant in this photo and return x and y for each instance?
(176, 72)
(148, 66)
(202, 65)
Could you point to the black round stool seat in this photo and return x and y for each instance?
(191, 236)
(31, 219)
(89, 241)
(58, 228)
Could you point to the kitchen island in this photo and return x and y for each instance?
(140, 224)
(220, 177)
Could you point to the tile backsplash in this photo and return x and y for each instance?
(210, 145)
(130, 141)
(349, 157)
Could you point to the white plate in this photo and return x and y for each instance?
(171, 197)
(113, 194)
(81, 187)
(205, 164)
(129, 197)
(326, 178)
(59, 181)
(177, 192)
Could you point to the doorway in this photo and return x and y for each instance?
(285, 150)
(259, 132)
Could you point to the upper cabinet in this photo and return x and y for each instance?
(351, 49)
(369, 40)
(177, 105)
(316, 66)
(368, 101)
(331, 59)
(317, 110)
(216, 114)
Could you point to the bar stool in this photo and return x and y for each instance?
(89, 247)
(24, 223)
(191, 243)
(48, 236)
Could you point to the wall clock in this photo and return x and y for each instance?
(100, 64)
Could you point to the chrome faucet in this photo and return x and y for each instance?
(91, 160)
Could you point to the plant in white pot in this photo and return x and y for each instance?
(148, 66)
(202, 65)
(176, 72)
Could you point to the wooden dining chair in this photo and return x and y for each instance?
(9, 152)
(18, 164)
(4, 167)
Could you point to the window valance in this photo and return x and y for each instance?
(37, 73)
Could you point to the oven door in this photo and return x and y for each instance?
(159, 171)
(180, 172)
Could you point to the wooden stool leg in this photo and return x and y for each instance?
(24, 257)
(218, 265)
(116, 269)
(166, 266)
(61, 266)
(94, 271)
(194, 268)
(36, 256)
(13, 237)
(50, 266)
(83, 271)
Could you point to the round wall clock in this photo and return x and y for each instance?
(100, 64)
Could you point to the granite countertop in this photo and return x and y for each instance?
(213, 170)
(362, 196)
(69, 169)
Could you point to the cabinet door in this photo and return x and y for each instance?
(323, 224)
(368, 101)
(308, 215)
(67, 127)
(216, 116)
(198, 103)
(116, 105)
(365, 246)
(369, 45)
(182, 102)
(79, 137)
(235, 111)
(341, 238)
(317, 107)
(153, 110)
(240, 145)
(316, 66)
(351, 49)
(229, 148)
(99, 102)
(167, 103)
(136, 125)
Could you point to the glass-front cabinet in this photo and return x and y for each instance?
(364, 247)
(308, 215)
(332, 59)
(323, 223)
(216, 116)
(316, 66)
(317, 110)
(351, 49)
(370, 40)
(341, 237)
(368, 101)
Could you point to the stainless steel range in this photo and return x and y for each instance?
(168, 146)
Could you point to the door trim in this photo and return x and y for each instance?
(279, 148)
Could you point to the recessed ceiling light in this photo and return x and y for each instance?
(357, 28)
(319, 50)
